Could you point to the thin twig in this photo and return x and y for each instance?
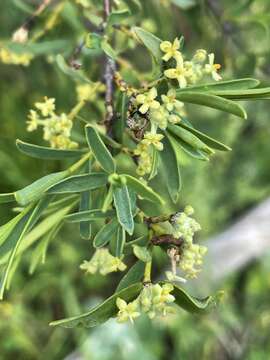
(110, 69)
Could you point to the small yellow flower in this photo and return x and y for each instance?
(180, 73)
(147, 101)
(171, 50)
(32, 123)
(160, 117)
(170, 101)
(212, 68)
(153, 139)
(127, 311)
(200, 56)
(47, 107)
(8, 57)
(103, 262)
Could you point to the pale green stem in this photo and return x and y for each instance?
(75, 111)
(79, 163)
(147, 272)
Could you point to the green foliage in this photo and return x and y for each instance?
(93, 199)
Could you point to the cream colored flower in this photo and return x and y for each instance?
(200, 56)
(180, 73)
(127, 311)
(47, 107)
(153, 139)
(32, 123)
(171, 50)
(147, 101)
(170, 101)
(212, 68)
(103, 262)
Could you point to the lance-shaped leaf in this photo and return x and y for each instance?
(212, 101)
(105, 234)
(7, 198)
(214, 144)
(47, 153)
(86, 205)
(89, 215)
(103, 312)
(16, 236)
(101, 153)
(145, 191)
(191, 303)
(170, 169)
(180, 145)
(151, 42)
(36, 190)
(117, 17)
(238, 84)
(134, 275)
(142, 253)
(118, 242)
(123, 208)
(189, 138)
(79, 183)
(35, 48)
(249, 94)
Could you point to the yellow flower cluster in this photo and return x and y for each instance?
(56, 128)
(9, 57)
(188, 72)
(191, 258)
(191, 254)
(103, 262)
(161, 113)
(154, 300)
(87, 92)
(145, 149)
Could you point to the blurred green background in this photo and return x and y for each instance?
(220, 191)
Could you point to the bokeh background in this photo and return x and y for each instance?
(221, 192)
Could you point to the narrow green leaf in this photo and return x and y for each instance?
(89, 215)
(117, 243)
(151, 42)
(36, 233)
(134, 275)
(170, 169)
(103, 312)
(180, 145)
(7, 198)
(18, 233)
(35, 190)
(105, 234)
(214, 144)
(86, 205)
(212, 101)
(116, 17)
(39, 254)
(191, 303)
(189, 138)
(143, 190)
(79, 183)
(142, 253)
(38, 48)
(101, 153)
(109, 51)
(238, 84)
(122, 204)
(47, 153)
(249, 94)
(141, 241)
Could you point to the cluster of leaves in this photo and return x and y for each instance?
(107, 195)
